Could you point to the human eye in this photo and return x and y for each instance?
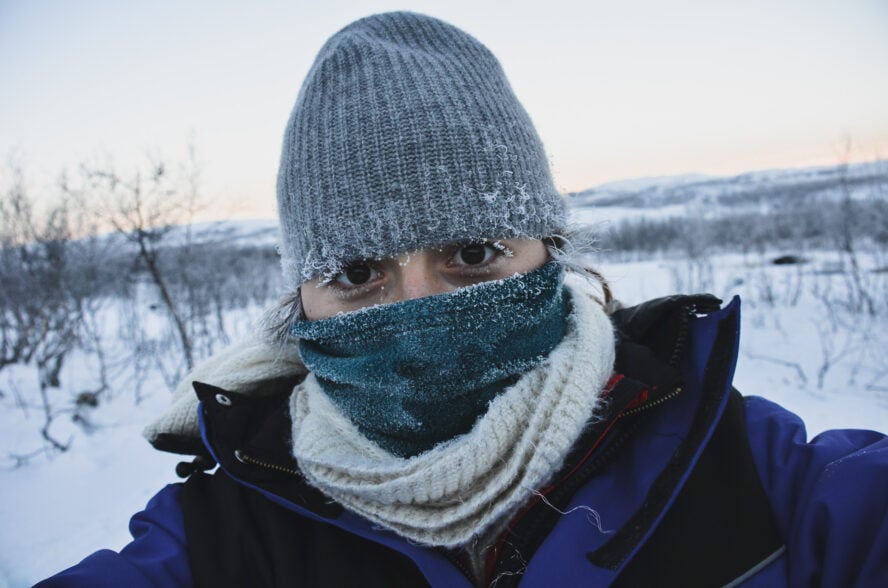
(354, 276)
(477, 255)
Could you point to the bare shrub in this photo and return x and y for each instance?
(46, 294)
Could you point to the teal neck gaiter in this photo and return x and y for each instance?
(415, 373)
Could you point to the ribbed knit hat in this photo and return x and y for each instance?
(405, 135)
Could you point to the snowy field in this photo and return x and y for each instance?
(802, 345)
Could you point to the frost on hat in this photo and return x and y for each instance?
(406, 134)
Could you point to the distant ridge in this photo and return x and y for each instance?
(758, 189)
(878, 168)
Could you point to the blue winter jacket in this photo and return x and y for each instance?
(824, 521)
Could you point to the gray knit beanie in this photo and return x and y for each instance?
(406, 134)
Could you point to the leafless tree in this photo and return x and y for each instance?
(143, 208)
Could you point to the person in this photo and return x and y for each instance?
(450, 398)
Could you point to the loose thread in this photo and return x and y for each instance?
(591, 514)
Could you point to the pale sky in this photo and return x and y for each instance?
(617, 89)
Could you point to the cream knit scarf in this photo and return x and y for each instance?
(456, 491)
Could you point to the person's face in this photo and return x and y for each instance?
(422, 273)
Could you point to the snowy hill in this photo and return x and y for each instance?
(760, 191)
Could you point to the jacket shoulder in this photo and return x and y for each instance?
(828, 496)
(155, 557)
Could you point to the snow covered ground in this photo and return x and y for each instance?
(800, 347)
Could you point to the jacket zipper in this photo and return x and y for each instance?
(570, 485)
(580, 477)
(652, 404)
(457, 561)
(246, 459)
(682, 338)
